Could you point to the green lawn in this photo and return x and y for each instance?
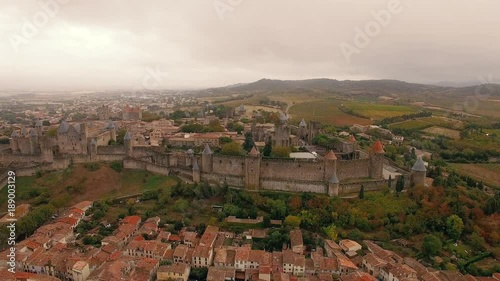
(23, 187)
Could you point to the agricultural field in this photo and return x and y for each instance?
(378, 111)
(488, 173)
(439, 131)
(416, 124)
(426, 122)
(480, 142)
(326, 111)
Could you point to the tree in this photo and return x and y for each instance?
(266, 222)
(249, 143)
(431, 245)
(292, 221)
(454, 227)
(361, 194)
(278, 208)
(400, 184)
(281, 151)
(232, 148)
(492, 204)
(331, 231)
(199, 273)
(268, 148)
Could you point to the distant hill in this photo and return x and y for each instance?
(381, 87)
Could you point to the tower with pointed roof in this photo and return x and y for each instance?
(207, 159)
(39, 127)
(33, 139)
(282, 132)
(418, 173)
(127, 140)
(252, 169)
(84, 134)
(329, 165)
(112, 129)
(330, 173)
(14, 142)
(333, 185)
(47, 152)
(92, 150)
(377, 160)
(196, 171)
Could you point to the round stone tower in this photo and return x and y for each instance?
(127, 140)
(252, 169)
(418, 173)
(207, 159)
(377, 160)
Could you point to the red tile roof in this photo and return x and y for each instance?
(135, 220)
(378, 148)
(330, 156)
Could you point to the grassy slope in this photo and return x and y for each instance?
(89, 185)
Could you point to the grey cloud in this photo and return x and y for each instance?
(109, 44)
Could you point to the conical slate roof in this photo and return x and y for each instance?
(189, 151)
(303, 123)
(196, 168)
(334, 179)
(330, 156)
(419, 166)
(128, 136)
(378, 148)
(110, 125)
(14, 134)
(63, 127)
(33, 133)
(207, 149)
(39, 123)
(93, 142)
(283, 117)
(24, 132)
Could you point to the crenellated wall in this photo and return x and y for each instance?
(111, 149)
(251, 172)
(291, 170)
(134, 164)
(353, 169)
(294, 186)
(229, 165)
(237, 181)
(353, 187)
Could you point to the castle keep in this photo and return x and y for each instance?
(77, 143)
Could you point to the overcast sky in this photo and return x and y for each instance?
(118, 44)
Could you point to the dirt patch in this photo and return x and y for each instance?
(88, 185)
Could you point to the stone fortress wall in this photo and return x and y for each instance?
(330, 175)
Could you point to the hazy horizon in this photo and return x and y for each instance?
(74, 45)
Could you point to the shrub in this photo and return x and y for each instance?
(92, 166)
(117, 166)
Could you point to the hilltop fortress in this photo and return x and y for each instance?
(32, 150)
